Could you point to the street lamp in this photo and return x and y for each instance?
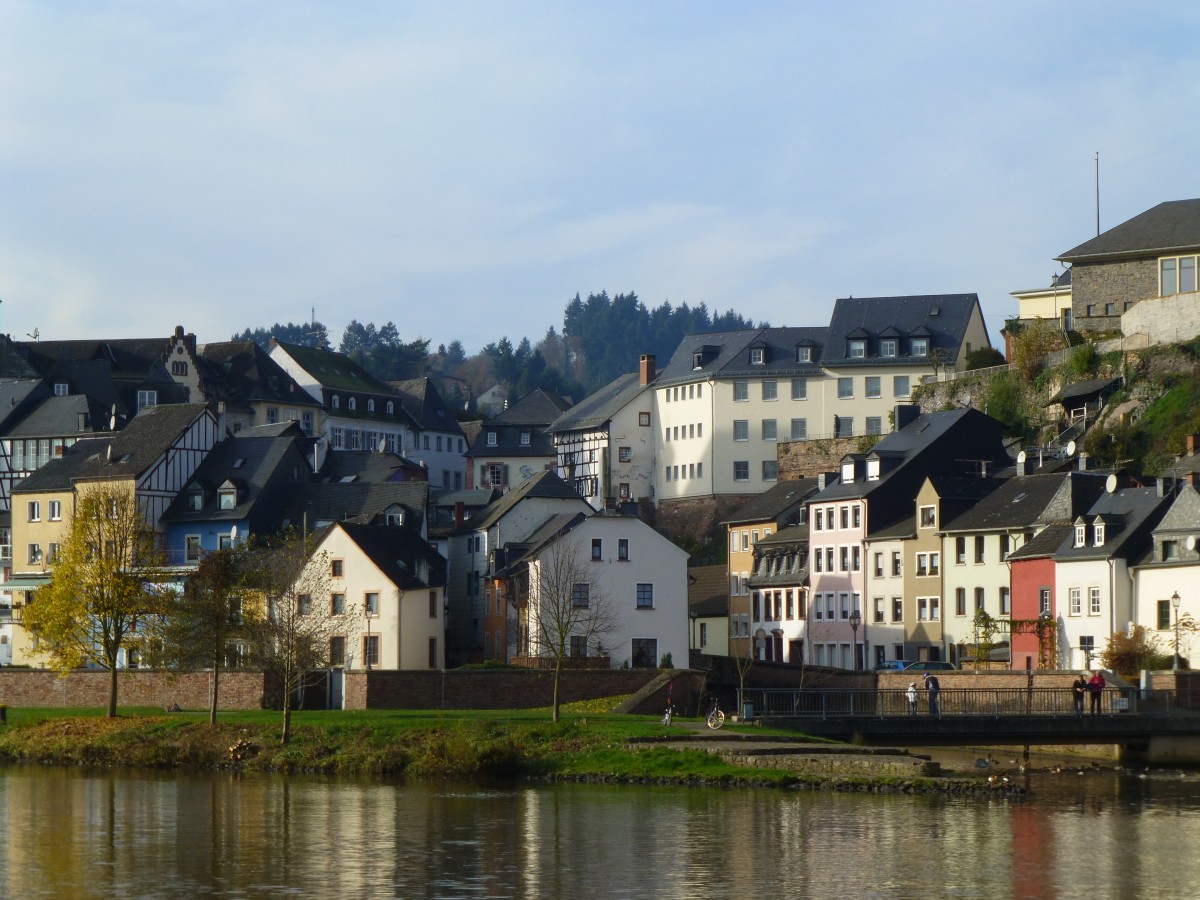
(855, 621)
(1175, 603)
(692, 616)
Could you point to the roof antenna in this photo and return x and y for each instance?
(35, 334)
(1097, 193)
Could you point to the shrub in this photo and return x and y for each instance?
(1127, 655)
(985, 357)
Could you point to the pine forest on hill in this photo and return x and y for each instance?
(602, 337)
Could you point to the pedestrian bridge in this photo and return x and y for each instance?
(1148, 725)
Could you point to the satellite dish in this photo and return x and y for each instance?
(1021, 458)
(233, 534)
(112, 419)
(1070, 448)
(1190, 543)
(1110, 484)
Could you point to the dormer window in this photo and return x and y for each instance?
(227, 498)
(370, 406)
(920, 346)
(758, 356)
(352, 404)
(804, 354)
(491, 439)
(698, 359)
(195, 500)
(857, 349)
(526, 438)
(61, 389)
(391, 408)
(395, 518)
(888, 347)
(872, 470)
(847, 473)
(1098, 534)
(335, 401)
(1080, 534)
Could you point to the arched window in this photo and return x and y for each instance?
(370, 406)
(335, 401)
(351, 404)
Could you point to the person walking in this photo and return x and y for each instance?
(1096, 688)
(1078, 688)
(934, 687)
(911, 694)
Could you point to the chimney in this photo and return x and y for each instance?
(821, 481)
(221, 420)
(1190, 478)
(905, 414)
(1083, 462)
(646, 369)
(459, 510)
(983, 464)
(1191, 444)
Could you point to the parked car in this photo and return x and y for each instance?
(892, 665)
(931, 665)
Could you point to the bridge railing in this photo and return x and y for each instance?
(792, 703)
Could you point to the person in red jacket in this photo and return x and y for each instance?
(1096, 689)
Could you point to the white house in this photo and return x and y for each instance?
(1170, 569)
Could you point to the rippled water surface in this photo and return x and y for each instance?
(74, 834)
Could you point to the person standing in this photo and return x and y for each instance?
(911, 694)
(1078, 688)
(1096, 688)
(934, 687)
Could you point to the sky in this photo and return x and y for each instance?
(464, 169)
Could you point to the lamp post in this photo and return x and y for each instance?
(692, 616)
(1175, 603)
(855, 621)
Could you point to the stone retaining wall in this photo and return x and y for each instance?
(135, 687)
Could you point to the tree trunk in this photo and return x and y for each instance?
(212, 710)
(287, 717)
(557, 673)
(112, 689)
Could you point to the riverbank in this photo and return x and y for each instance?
(587, 748)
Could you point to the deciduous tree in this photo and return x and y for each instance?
(102, 584)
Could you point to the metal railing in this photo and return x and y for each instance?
(776, 703)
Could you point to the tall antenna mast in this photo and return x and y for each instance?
(1097, 193)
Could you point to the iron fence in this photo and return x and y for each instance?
(791, 703)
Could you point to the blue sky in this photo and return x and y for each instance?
(463, 169)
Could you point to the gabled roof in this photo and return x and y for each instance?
(425, 405)
(538, 407)
(1022, 502)
(17, 398)
(943, 318)
(362, 502)
(1084, 390)
(247, 463)
(242, 372)
(708, 592)
(334, 370)
(599, 408)
(1170, 226)
(774, 502)
(399, 553)
(544, 485)
(1045, 543)
(1128, 517)
(726, 354)
(369, 466)
(59, 417)
(127, 454)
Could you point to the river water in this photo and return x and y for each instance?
(76, 834)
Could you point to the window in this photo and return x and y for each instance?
(935, 609)
(928, 516)
(741, 470)
(1170, 550)
(757, 356)
(873, 386)
(55, 510)
(878, 567)
(804, 354)
(900, 386)
(1005, 601)
(272, 415)
(1080, 535)
(337, 604)
(844, 558)
(35, 511)
(623, 549)
(336, 568)
(960, 601)
(897, 563)
(581, 595)
(887, 347)
(644, 419)
(770, 470)
(741, 391)
(1177, 276)
(1044, 601)
(337, 651)
(1097, 534)
(745, 541)
(52, 553)
(919, 346)
(897, 609)
(526, 438)
(1073, 601)
(335, 401)
(844, 426)
(645, 596)
(960, 551)
(769, 430)
(191, 545)
(799, 429)
(927, 564)
(371, 650)
(645, 653)
(146, 399)
(578, 646)
(495, 474)
(741, 429)
(304, 605)
(624, 454)
(227, 498)
(874, 425)
(1093, 601)
(597, 549)
(371, 603)
(922, 609)
(770, 390)
(1164, 615)
(980, 598)
(857, 349)
(195, 501)
(845, 388)
(735, 585)
(61, 389)
(979, 548)
(492, 439)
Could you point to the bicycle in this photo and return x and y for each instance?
(715, 718)
(668, 714)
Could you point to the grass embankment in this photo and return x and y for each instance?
(474, 744)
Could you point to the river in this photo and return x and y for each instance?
(76, 834)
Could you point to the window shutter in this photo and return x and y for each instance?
(505, 475)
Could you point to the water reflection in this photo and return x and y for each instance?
(71, 833)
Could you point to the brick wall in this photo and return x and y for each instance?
(483, 689)
(140, 687)
(1098, 284)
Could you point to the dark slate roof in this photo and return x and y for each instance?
(441, 508)
(368, 466)
(397, 551)
(126, 454)
(1045, 543)
(1020, 502)
(241, 372)
(247, 462)
(1128, 516)
(943, 318)
(598, 408)
(1174, 225)
(543, 485)
(1083, 390)
(18, 398)
(335, 370)
(774, 502)
(362, 502)
(708, 591)
(898, 530)
(790, 535)
(59, 417)
(425, 405)
(962, 487)
(13, 361)
(537, 408)
(517, 553)
(726, 354)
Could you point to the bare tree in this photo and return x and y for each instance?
(569, 611)
(101, 585)
(292, 625)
